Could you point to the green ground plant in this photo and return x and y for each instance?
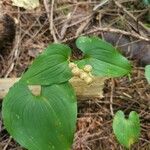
(147, 73)
(48, 121)
(127, 131)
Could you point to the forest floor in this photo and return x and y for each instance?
(122, 23)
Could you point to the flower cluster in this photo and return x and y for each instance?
(84, 74)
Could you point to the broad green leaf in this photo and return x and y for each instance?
(27, 4)
(127, 131)
(103, 57)
(45, 122)
(147, 73)
(51, 67)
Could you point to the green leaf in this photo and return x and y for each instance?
(51, 67)
(45, 122)
(147, 73)
(127, 131)
(103, 57)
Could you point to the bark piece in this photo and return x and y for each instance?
(83, 91)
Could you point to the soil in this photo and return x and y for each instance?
(94, 125)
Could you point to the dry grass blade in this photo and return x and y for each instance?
(50, 17)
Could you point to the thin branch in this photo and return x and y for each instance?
(83, 26)
(66, 24)
(9, 140)
(83, 91)
(131, 16)
(52, 22)
(96, 30)
(111, 98)
(101, 4)
(50, 18)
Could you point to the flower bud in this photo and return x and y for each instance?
(75, 71)
(72, 65)
(88, 80)
(83, 75)
(87, 68)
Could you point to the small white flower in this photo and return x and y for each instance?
(83, 75)
(72, 65)
(87, 68)
(76, 71)
(88, 80)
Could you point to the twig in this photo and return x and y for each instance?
(52, 22)
(111, 30)
(9, 140)
(101, 4)
(83, 26)
(145, 140)
(11, 67)
(131, 16)
(81, 20)
(111, 98)
(66, 24)
(50, 18)
(83, 91)
(135, 35)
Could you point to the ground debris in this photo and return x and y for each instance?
(94, 126)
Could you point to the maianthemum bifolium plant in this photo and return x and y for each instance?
(48, 121)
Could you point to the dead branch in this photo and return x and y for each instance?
(135, 35)
(50, 17)
(83, 91)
